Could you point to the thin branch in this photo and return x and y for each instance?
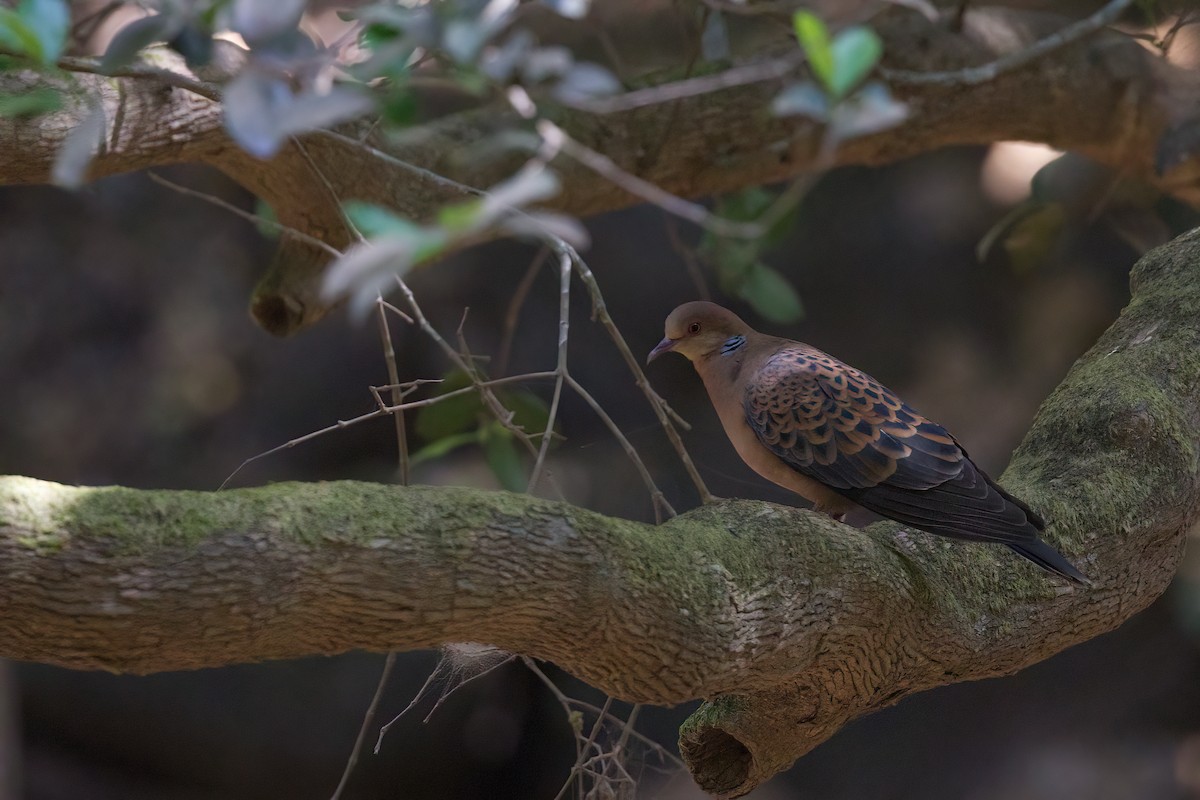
(382, 411)
(83, 29)
(662, 410)
(416, 699)
(1182, 21)
(973, 76)
(91, 66)
(656, 495)
(388, 664)
(389, 357)
(246, 215)
(407, 166)
(759, 72)
(560, 369)
(583, 750)
(688, 256)
(666, 415)
(566, 701)
(493, 404)
(513, 314)
(327, 184)
(605, 167)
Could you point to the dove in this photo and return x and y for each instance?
(837, 437)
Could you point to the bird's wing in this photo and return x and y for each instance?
(840, 427)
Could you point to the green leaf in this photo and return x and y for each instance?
(452, 415)
(373, 220)
(49, 22)
(400, 107)
(460, 216)
(733, 259)
(1033, 238)
(855, 52)
(746, 205)
(771, 295)
(529, 411)
(268, 221)
(443, 447)
(814, 38)
(31, 103)
(501, 453)
(16, 36)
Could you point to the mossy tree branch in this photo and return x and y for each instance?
(790, 623)
(1106, 96)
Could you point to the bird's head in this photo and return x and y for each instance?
(697, 329)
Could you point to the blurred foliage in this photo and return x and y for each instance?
(463, 420)
(36, 29)
(1067, 195)
(737, 261)
(840, 63)
(395, 244)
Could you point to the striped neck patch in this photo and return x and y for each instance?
(732, 344)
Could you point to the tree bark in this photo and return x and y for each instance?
(1106, 96)
(789, 623)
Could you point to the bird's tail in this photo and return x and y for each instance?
(1051, 560)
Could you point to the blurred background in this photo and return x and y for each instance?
(129, 358)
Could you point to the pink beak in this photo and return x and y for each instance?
(665, 346)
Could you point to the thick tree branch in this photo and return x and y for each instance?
(793, 623)
(1105, 96)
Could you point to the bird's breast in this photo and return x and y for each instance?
(728, 398)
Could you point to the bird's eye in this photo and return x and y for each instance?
(694, 328)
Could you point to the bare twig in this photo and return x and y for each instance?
(584, 748)
(651, 193)
(688, 256)
(493, 404)
(166, 77)
(567, 702)
(246, 215)
(656, 495)
(662, 410)
(389, 356)
(1182, 21)
(433, 676)
(973, 76)
(354, 232)
(416, 699)
(408, 166)
(82, 30)
(382, 411)
(666, 415)
(560, 369)
(388, 664)
(513, 314)
(758, 72)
